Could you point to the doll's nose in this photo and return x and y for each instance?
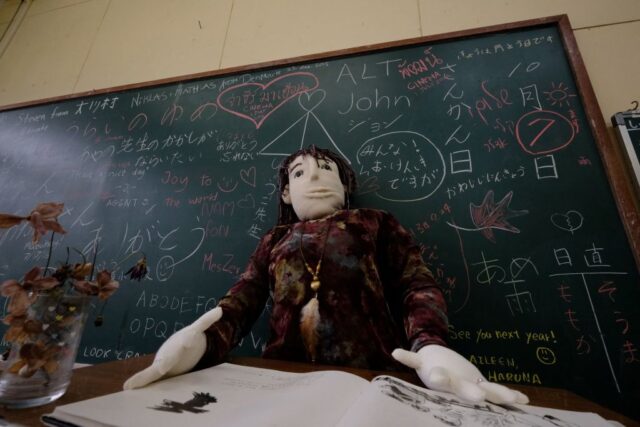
(314, 171)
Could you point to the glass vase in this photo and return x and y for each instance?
(44, 344)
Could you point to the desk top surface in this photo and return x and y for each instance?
(98, 380)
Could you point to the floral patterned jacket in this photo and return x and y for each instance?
(376, 293)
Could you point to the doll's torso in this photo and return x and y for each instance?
(375, 294)
(356, 326)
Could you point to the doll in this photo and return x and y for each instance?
(349, 287)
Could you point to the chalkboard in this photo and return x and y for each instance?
(627, 126)
(488, 145)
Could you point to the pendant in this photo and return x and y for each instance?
(315, 284)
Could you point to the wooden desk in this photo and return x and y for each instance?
(105, 378)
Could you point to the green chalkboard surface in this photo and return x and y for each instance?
(487, 145)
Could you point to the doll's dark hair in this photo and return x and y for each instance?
(286, 214)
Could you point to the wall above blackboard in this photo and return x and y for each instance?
(488, 145)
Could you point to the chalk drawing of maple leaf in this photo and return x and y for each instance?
(489, 216)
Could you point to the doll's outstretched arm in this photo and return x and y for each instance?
(443, 369)
(179, 353)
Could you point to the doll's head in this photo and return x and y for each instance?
(314, 183)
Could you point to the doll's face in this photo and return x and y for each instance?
(314, 189)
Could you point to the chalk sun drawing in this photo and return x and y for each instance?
(558, 95)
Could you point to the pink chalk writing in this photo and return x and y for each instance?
(256, 101)
(543, 132)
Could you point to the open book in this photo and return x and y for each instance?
(231, 395)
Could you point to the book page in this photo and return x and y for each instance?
(389, 401)
(228, 395)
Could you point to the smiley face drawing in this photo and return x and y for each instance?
(546, 356)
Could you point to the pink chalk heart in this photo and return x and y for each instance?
(256, 101)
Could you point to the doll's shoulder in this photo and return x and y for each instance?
(382, 223)
(275, 234)
(375, 221)
(378, 215)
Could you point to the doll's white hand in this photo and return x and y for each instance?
(179, 353)
(443, 369)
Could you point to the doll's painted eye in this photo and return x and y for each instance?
(297, 174)
(326, 166)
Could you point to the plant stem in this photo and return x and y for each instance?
(46, 268)
(99, 319)
(93, 262)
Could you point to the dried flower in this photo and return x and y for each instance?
(15, 332)
(106, 285)
(62, 273)
(42, 218)
(103, 286)
(25, 293)
(21, 328)
(80, 271)
(138, 271)
(8, 220)
(34, 356)
(44, 329)
(45, 217)
(86, 287)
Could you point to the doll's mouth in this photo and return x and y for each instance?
(318, 193)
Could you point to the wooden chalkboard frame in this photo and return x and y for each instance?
(614, 165)
(632, 156)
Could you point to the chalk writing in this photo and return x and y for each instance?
(347, 75)
(107, 353)
(492, 360)
(484, 179)
(422, 171)
(516, 377)
(543, 132)
(256, 101)
(374, 102)
(504, 48)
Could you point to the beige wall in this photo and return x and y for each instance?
(8, 9)
(69, 46)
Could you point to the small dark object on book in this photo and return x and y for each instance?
(199, 400)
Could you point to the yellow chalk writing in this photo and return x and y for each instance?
(514, 377)
(491, 360)
(541, 336)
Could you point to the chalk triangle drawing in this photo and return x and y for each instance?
(282, 145)
(283, 148)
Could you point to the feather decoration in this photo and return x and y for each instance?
(309, 320)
